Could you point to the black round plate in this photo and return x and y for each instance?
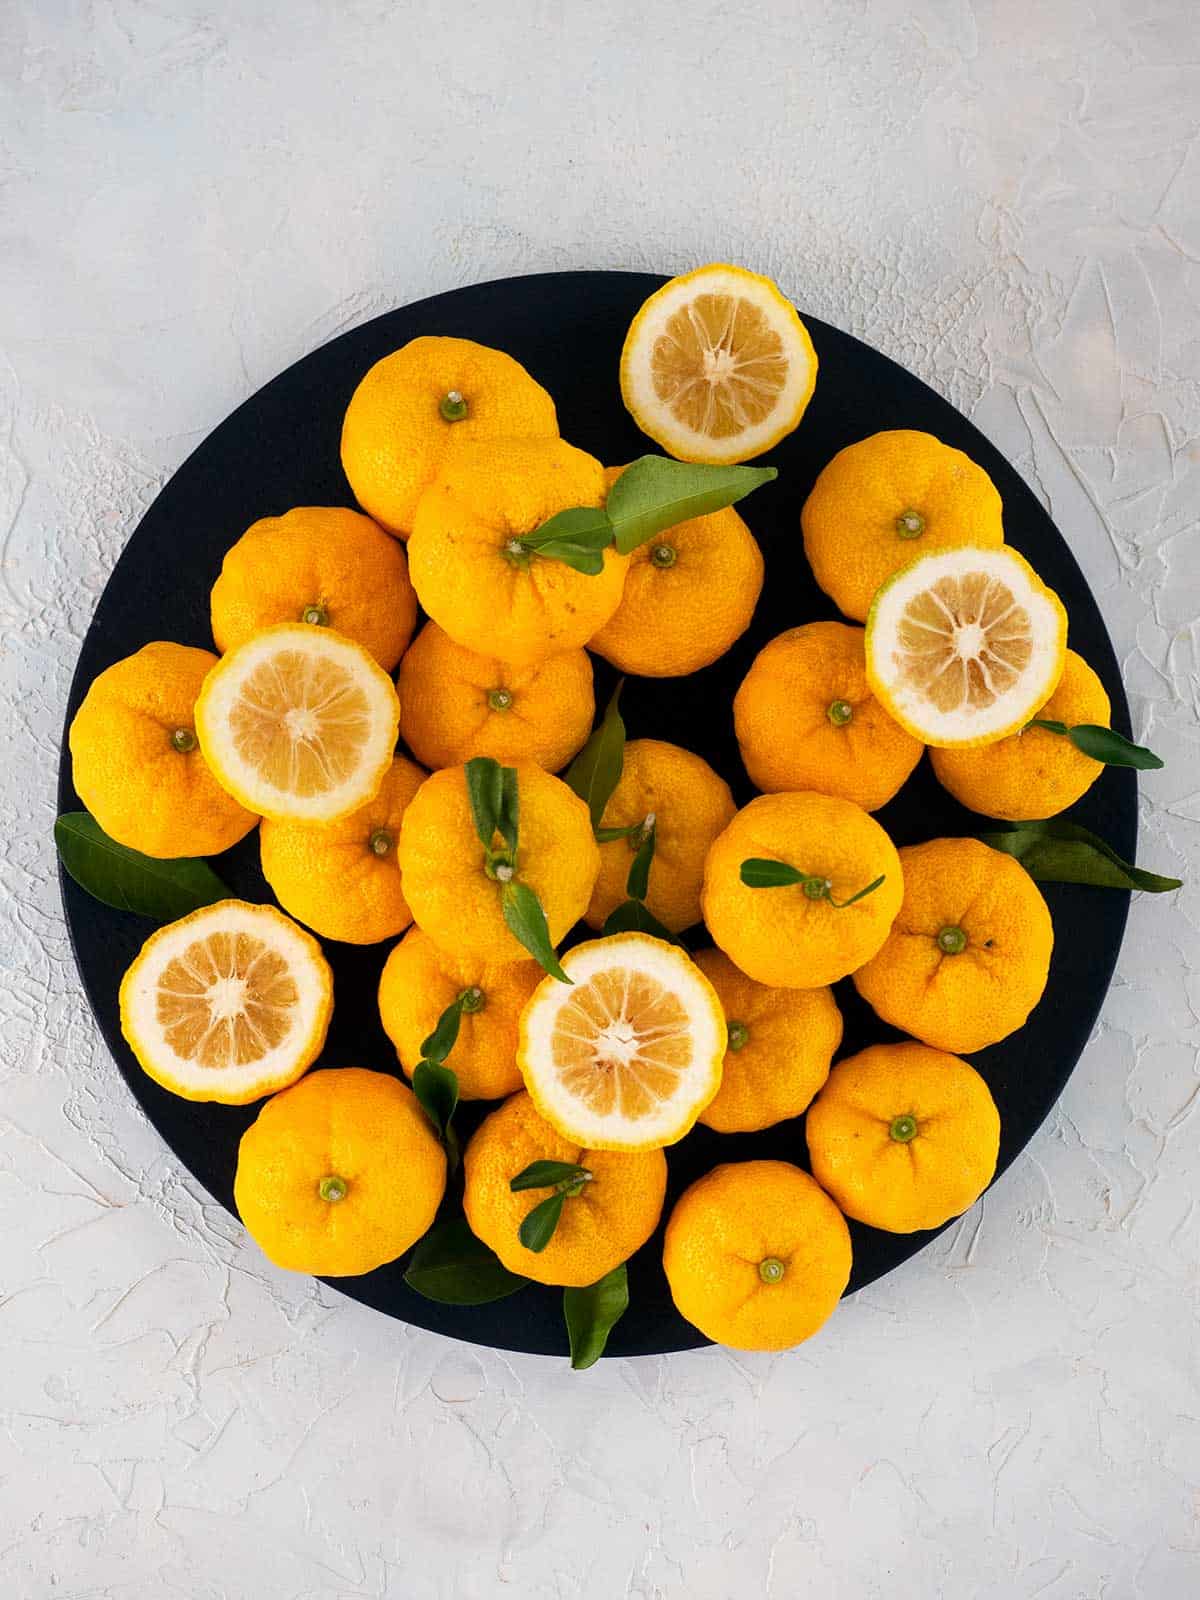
(280, 449)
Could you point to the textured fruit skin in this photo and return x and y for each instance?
(967, 1001)
(675, 619)
(484, 499)
(1033, 774)
(395, 439)
(787, 738)
(779, 936)
(706, 1030)
(446, 718)
(884, 1182)
(876, 649)
(716, 277)
(729, 1221)
(306, 1050)
(691, 804)
(141, 790)
(793, 1035)
(442, 862)
(327, 875)
(419, 981)
(365, 1127)
(599, 1228)
(849, 519)
(317, 555)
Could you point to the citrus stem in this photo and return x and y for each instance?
(183, 740)
(638, 835)
(498, 865)
(453, 407)
(903, 1128)
(380, 842)
(664, 555)
(840, 712)
(771, 1269)
(910, 525)
(316, 614)
(472, 999)
(952, 941)
(333, 1188)
(573, 1186)
(500, 699)
(517, 553)
(739, 1035)
(818, 888)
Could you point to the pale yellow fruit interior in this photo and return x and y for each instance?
(301, 722)
(621, 1043)
(719, 365)
(226, 1001)
(963, 642)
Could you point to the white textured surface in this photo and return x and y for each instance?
(1004, 195)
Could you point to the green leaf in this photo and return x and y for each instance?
(444, 1037)
(546, 1174)
(596, 770)
(1063, 852)
(577, 537)
(110, 872)
(537, 1230)
(436, 1087)
(1104, 744)
(592, 1313)
(655, 493)
(526, 921)
(454, 1267)
(840, 905)
(631, 916)
(485, 790)
(638, 881)
(759, 873)
(509, 814)
(610, 835)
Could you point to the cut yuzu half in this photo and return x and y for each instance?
(227, 1004)
(628, 1055)
(717, 366)
(299, 722)
(964, 645)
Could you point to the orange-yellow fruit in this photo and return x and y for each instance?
(339, 1174)
(794, 936)
(456, 902)
(903, 1137)
(968, 956)
(1032, 774)
(227, 1004)
(613, 1214)
(415, 407)
(756, 1255)
(780, 1045)
(475, 576)
(806, 719)
(137, 764)
(689, 593)
(342, 878)
(456, 704)
(420, 981)
(886, 500)
(323, 565)
(717, 366)
(689, 804)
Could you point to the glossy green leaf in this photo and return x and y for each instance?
(655, 493)
(485, 790)
(1062, 852)
(452, 1266)
(596, 770)
(509, 815)
(592, 1313)
(638, 881)
(537, 1230)
(577, 537)
(631, 916)
(436, 1087)
(546, 1174)
(757, 872)
(125, 879)
(442, 1040)
(526, 921)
